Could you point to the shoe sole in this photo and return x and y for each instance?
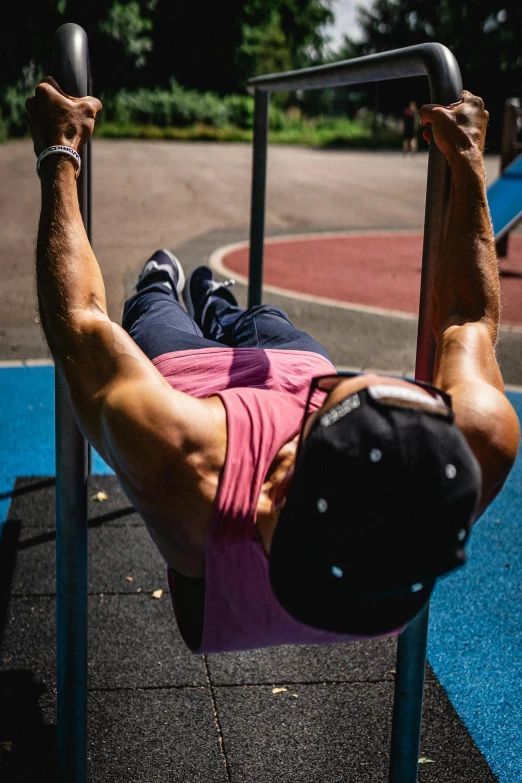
(189, 304)
(181, 275)
(187, 298)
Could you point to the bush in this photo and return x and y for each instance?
(240, 110)
(181, 114)
(13, 110)
(13, 97)
(175, 106)
(184, 108)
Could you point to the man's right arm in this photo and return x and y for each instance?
(166, 447)
(466, 298)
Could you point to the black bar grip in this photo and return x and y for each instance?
(72, 72)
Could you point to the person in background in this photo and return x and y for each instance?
(409, 136)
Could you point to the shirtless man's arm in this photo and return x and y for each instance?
(166, 447)
(466, 298)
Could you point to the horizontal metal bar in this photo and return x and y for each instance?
(431, 59)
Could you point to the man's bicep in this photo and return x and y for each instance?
(151, 433)
(491, 427)
(98, 358)
(122, 403)
(466, 368)
(465, 354)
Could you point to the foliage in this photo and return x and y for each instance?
(282, 34)
(174, 106)
(13, 97)
(322, 132)
(144, 43)
(181, 108)
(240, 110)
(220, 47)
(266, 47)
(120, 36)
(125, 24)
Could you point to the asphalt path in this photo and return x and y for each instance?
(168, 194)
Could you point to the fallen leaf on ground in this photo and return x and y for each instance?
(129, 578)
(424, 760)
(157, 593)
(100, 496)
(279, 690)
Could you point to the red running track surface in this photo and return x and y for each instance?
(376, 270)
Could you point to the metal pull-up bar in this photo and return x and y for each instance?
(71, 71)
(432, 60)
(439, 65)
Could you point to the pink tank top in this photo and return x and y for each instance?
(263, 392)
(210, 370)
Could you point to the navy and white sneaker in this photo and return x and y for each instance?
(162, 267)
(201, 288)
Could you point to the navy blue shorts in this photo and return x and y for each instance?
(158, 323)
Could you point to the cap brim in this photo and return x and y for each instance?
(330, 605)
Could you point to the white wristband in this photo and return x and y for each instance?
(62, 150)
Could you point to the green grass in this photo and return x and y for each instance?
(322, 133)
(197, 132)
(314, 133)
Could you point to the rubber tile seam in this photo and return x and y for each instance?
(221, 739)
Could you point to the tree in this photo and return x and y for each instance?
(208, 46)
(218, 46)
(484, 36)
(119, 37)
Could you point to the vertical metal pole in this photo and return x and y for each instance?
(408, 698)
(438, 190)
(71, 590)
(257, 214)
(413, 641)
(71, 71)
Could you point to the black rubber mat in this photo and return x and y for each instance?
(158, 713)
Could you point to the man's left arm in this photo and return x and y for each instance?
(466, 297)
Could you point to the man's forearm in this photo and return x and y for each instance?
(466, 286)
(68, 277)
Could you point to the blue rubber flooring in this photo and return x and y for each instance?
(505, 198)
(475, 645)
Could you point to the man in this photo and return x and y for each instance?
(200, 416)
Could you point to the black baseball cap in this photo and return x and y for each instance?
(380, 505)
